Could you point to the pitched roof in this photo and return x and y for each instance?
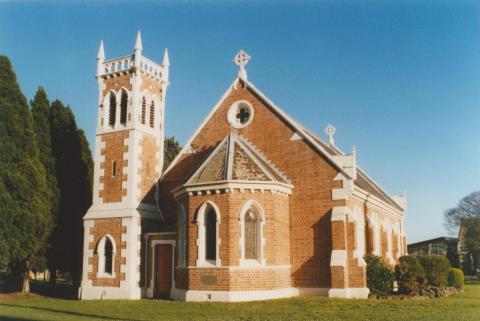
(329, 151)
(235, 158)
(363, 180)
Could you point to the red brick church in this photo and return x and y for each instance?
(254, 207)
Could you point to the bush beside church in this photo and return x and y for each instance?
(429, 276)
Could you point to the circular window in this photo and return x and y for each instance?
(240, 114)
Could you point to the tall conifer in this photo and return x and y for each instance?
(73, 164)
(25, 220)
(41, 126)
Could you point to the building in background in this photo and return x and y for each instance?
(447, 246)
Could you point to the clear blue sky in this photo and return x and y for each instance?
(401, 80)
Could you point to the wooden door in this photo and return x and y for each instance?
(163, 270)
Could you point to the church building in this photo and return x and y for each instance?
(254, 207)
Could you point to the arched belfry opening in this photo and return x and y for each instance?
(123, 107)
(112, 114)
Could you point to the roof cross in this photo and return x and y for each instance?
(330, 131)
(241, 59)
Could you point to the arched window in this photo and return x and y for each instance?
(144, 110)
(208, 241)
(106, 257)
(211, 235)
(182, 236)
(251, 234)
(113, 109)
(152, 114)
(123, 107)
(108, 252)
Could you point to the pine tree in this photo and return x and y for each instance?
(25, 220)
(73, 167)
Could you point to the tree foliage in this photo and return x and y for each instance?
(25, 213)
(436, 268)
(379, 277)
(73, 168)
(410, 275)
(41, 126)
(467, 209)
(456, 278)
(465, 217)
(172, 148)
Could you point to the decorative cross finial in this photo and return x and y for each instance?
(241, 59)
(330, 131)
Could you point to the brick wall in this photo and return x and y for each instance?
(370, 237)
(395, 246)
(115, 147)
(117, 82)
(223, 279)
(276, 231)
(114, 228)
(276, 250)
(147, 170)
(356, 273)
(151, 85)
(312, 175)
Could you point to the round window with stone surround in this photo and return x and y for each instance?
(240, 114)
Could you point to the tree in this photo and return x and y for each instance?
(73, 167)
(172, 148)
(25, 220)
(467, 209)
(41, 126)
(464, 220)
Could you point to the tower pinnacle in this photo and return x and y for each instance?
(166, 59)
(101, 52)
(138, 42)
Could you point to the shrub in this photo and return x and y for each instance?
(456, 278)
(379, 277)
(410, 275)
(436, 269)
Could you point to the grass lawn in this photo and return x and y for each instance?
(463, 306)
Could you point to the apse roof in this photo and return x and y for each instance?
(236, 159)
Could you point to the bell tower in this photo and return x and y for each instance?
(128, 162)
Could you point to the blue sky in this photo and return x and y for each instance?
(400, 80)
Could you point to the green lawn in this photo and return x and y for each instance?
(463, 306)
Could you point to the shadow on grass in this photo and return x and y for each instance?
(61, 290)
(16, 319)
(57, 311)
